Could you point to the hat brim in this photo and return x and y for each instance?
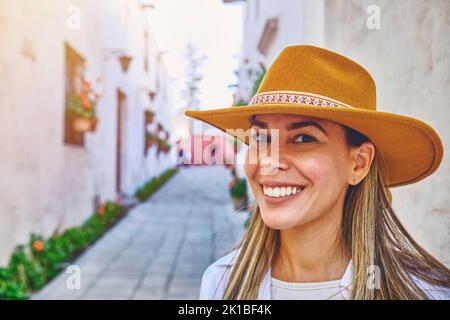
(411, 149)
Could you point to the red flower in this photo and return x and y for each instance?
(86, 86)
(101, 210)
(87, 104)
(38, 245)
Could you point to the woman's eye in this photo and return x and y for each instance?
(304, 138)
(260, 137)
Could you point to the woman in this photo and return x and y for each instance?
(323, 226)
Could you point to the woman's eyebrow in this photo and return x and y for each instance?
(292, 126)
(302, 124)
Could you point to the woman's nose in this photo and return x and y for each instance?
(269, 165)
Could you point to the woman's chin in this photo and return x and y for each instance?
(278, 219)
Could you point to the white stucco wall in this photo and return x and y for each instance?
(46, 184)
(409, 58)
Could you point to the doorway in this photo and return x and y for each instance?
(121, 100)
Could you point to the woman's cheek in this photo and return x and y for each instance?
(316, 169)
(249, 169)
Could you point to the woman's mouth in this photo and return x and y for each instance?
(279, 194)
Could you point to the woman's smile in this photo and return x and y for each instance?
(276, 194)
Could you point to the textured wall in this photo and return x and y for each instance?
(409, 57)
(44, 183)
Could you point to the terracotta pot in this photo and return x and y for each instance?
(240, 203)
(150, 143)
(149, 116)
(81, 124)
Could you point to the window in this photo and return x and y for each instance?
(73, 76)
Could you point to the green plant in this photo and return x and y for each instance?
(84, 103)
(32, 266)
(239, 189)
(144, 192)
(233, 172)
(9, 288)
(259, 77)
(241, 102)
(163, 145)
(153, 137)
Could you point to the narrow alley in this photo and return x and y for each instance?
(161, 248)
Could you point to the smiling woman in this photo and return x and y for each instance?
(323, 226)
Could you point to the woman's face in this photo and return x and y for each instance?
(314, 159)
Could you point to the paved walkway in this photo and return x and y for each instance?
(161, 248)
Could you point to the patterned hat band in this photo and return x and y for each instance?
(295, 97)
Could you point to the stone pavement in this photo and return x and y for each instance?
(161, 248)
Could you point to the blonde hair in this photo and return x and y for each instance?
(371, 233)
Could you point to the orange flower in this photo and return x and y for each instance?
(101, 210)
(86, 85)
(87, 104)
(38, 245)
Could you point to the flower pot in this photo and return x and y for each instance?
(149, 116)
(240, 203)
(150, 143)
(81, 124)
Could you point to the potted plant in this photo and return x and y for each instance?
(151, 139)
(152, 95)
(238, 191)
(149, 116)
(163, 146)
(82, 108)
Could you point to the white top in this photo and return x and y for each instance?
(216, 276)
(326, 290)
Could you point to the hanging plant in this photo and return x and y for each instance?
(238, 191)
(82, 108)
(163, 146)
(149, 116)
(151, 139)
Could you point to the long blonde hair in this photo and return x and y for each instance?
(372, 234)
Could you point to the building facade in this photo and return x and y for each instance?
(405, 48)
(52, 176)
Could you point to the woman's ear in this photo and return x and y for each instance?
(362, 158)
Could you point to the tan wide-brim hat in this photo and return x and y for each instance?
(311, 81)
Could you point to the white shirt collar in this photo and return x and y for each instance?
(265, 287)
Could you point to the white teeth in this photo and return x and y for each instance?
(276, 192)
(280, 191)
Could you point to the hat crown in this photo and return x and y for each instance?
(319, 71)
